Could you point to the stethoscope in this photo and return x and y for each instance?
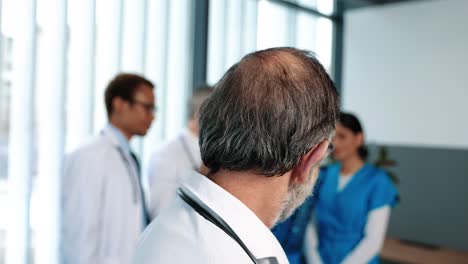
(204, 210)
(137, 190)
(135, 181)
(131, 174)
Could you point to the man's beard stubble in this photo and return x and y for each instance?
(297, 194)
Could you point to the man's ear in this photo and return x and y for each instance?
(117, 104)
(360, 138)
(302, 172)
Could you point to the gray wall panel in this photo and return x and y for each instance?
(434, 199)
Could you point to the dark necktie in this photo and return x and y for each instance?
(146, 216)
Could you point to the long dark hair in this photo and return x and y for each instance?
(351, 122)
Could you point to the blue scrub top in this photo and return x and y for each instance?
(341, 216)
(291, 232)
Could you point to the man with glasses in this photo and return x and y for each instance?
(103, 207)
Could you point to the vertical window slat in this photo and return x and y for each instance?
(21, 132)
(51, 81)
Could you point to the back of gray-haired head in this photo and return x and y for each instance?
(267, 112)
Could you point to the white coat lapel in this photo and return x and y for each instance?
(132, 172)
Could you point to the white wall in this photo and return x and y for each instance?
(406, 72)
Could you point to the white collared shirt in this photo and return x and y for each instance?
(181, 235)
(168, 167)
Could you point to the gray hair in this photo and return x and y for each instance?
(267, 112)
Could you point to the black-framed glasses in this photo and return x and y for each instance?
(150, 108)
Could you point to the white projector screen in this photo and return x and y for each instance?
(406, 72)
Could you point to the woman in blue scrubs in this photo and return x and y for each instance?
(353, 206)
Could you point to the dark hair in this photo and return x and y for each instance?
(124, 85)
(199, 95)
(352, 123)
(267, 112)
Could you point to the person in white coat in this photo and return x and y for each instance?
(102, 200)
(171, 164)
(263, 132)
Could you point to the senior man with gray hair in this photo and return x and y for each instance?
(263, 132)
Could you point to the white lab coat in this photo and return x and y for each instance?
(168, 167)
(101, 203)
(181, 235)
